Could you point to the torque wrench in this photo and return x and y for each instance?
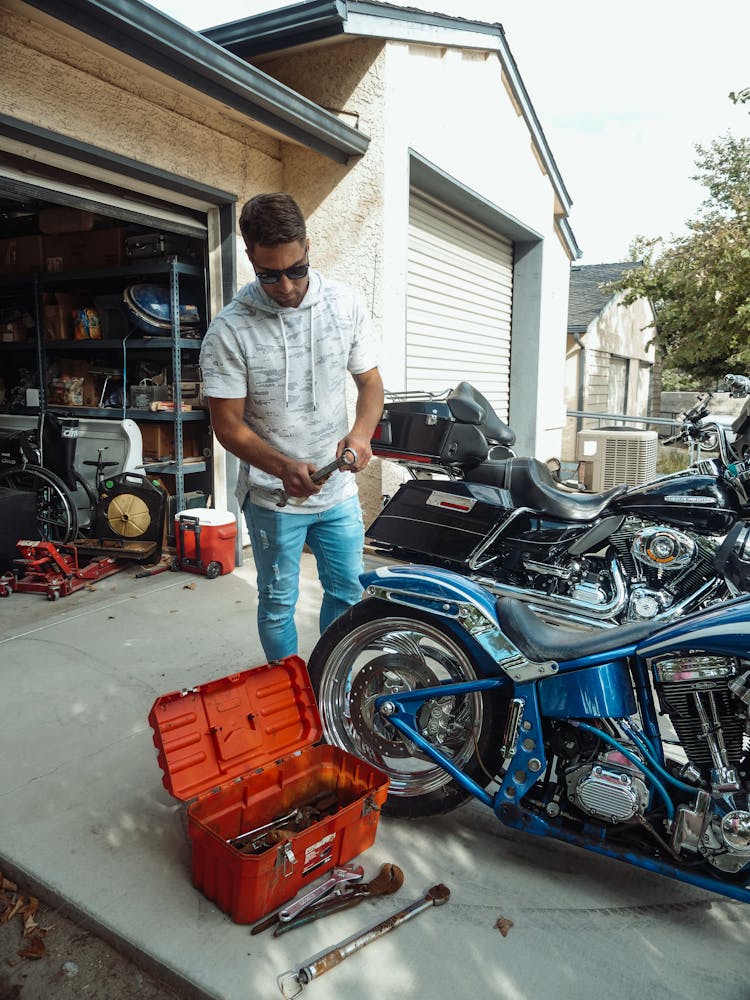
(435, 896)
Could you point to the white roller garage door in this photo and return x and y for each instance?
(460, 284)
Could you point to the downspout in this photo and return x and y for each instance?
(581, 378)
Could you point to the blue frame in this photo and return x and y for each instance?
(440, 592)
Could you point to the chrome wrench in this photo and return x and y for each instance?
(339, 876)
(347, 457)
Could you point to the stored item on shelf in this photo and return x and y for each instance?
(205, 541)
(192, 394)
(58, 315)
(67, 390)
(150, 309)
(86, 325)
(144, 246)
(241, 752)
(97, 249)
(13, 331)
(21, 255)
(158, 440)
(146, 393)
(112, 316)
(65, 220)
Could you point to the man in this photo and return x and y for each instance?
(274, 363)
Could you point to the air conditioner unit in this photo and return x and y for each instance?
(610, 457)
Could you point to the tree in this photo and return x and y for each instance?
(699, 283)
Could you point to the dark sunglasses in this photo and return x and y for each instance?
(294, 273)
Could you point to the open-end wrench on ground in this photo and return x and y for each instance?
(341, 875)
(435, 896)
(346, 458)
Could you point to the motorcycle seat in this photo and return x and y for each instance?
(539, 641)
(468, 406)
(531, 485)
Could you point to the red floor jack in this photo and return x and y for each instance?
(52, 569)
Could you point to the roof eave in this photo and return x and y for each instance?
(148, 35)
(317, 20)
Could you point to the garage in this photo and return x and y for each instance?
(459, 302)
(96, 371)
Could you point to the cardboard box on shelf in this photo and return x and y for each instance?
(21, 255)
(158, 440)
(99, 248)
(57, 315)
(90, 382)
(65, 220)
(192, 394)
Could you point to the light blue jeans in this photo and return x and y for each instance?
(335, 537)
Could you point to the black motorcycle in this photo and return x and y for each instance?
(651, 552)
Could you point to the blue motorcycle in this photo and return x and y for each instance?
(633, 741)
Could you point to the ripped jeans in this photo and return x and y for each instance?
(336, 538)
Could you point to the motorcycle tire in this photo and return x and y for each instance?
(374, 649)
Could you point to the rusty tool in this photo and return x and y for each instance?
(389, 879)
(347, 457)
(435, 896)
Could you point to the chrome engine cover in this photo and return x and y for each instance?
(663, 548)
(612, 789)
(726, 841)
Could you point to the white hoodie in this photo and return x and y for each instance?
(290, 366)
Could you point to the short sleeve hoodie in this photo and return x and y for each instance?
(290, 366)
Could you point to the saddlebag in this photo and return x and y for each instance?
(444, 518)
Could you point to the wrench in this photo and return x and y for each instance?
(339, 876)
(346, 458)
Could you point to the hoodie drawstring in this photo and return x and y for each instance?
(286, 360)
(312, 359)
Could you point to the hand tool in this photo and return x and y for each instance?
(435, 896)
(338, 876)
(389, 879)
(346, 873)
(279, 821)
(346, 458)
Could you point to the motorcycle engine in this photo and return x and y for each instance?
(663, 563)
(610, 787)
(707, 699)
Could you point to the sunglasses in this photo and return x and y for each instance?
(271, 276)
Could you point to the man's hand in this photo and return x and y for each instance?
(296, 479)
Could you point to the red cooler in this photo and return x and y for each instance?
(205, 541)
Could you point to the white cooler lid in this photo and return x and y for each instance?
(207, 515)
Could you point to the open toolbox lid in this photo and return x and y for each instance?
(209, 735)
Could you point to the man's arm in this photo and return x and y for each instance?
(368, 412)
(234, 434)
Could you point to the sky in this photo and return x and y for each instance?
(624, 93)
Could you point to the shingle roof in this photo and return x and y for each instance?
(586, 299)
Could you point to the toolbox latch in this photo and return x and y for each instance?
(369, 805)
(286, 859)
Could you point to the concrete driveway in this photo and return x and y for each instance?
(84, 815)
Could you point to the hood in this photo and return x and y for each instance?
(254, 297)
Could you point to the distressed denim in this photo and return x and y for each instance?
(336, 539)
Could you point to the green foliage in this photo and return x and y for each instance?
(673, 380)
(700, 283)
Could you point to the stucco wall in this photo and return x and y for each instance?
(57, 80)
(453, 109)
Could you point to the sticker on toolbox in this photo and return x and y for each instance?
(318, 853)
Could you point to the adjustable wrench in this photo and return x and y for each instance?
(339, 876)
(346, 458)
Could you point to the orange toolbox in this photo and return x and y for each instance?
(240, 752)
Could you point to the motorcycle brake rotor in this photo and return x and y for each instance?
(386, 674)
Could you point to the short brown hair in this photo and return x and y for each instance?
(271, 219)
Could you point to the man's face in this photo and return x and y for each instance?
(271, 262)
